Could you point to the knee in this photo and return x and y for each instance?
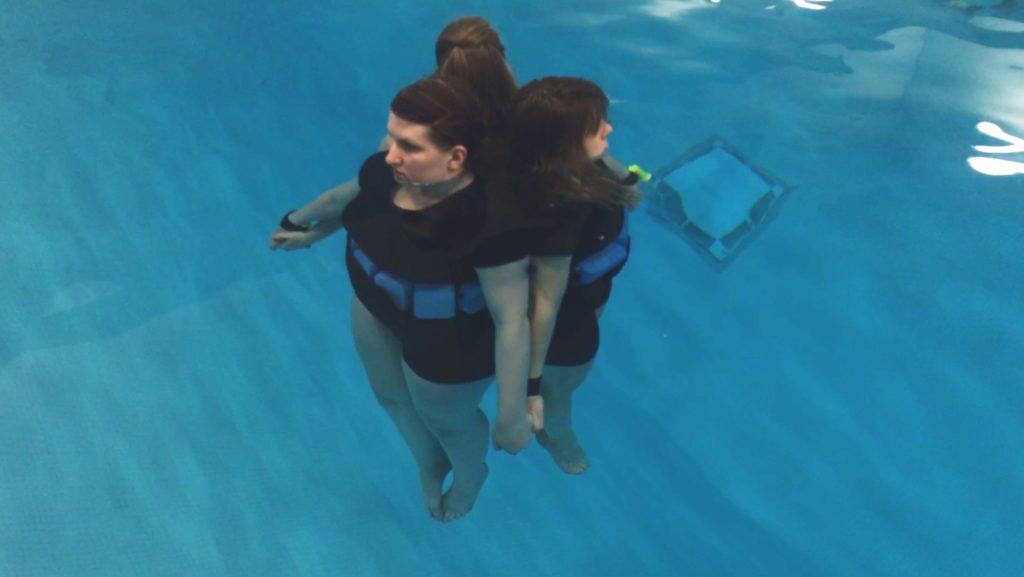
(446, 428)
(392, 400)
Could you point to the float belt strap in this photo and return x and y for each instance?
(425, 300)
(603, 261)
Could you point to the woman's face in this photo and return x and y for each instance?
(417, 161)
(596, 144)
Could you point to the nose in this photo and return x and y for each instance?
(393, 158)
(608, 128)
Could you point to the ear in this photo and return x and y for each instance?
(458, 157)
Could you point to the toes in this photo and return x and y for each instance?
(432, 480)
(452, 515)
(566, 452)
(578, 469)
(460, 498)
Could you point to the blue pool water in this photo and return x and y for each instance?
(844, 399)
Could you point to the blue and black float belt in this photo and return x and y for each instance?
(434, 301)
(602, 262)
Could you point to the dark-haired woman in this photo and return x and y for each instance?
(558, 156)
(471, 50)
(467, 48)
(441, 289)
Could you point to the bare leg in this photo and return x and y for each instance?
(558, 437)
(452, 413)
(381, 354)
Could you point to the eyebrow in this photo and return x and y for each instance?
(403, 141)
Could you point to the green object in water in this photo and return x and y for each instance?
(641, 174)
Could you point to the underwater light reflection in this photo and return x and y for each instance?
(811, 4)
(997, 166)
(672, 9)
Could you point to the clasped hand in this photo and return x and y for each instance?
(512, 434)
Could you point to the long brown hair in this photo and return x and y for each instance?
(550, 118)
(449, 107)
(470, 49)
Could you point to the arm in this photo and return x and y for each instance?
(546, 290)
(289, 240)
(325, 210)
(506, 288)
(329, 205)
(623, 172)
(618, 169)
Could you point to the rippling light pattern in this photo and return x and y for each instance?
(671, 9)
(997, 166)
(811, 4)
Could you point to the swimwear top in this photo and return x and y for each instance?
(581, 229)
(440, 245)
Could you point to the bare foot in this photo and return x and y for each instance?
(566, 451)
(461, 496)
(431, 480)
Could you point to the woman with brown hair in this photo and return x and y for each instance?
(469, 49)
(442, 431)
(440, 287)
(558, 156)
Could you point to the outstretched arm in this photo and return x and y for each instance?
(323, 213)
(329, 205)
(622, 172)
(291, 240)
(618, 169)
(506, 288)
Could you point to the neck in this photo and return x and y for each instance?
(442, 188)
(419, 195)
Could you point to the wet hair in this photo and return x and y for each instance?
(549, 119)
(449, 108)
(470, 49)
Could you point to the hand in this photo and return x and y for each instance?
(535, 408)
(290, 241)
(512, 434)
